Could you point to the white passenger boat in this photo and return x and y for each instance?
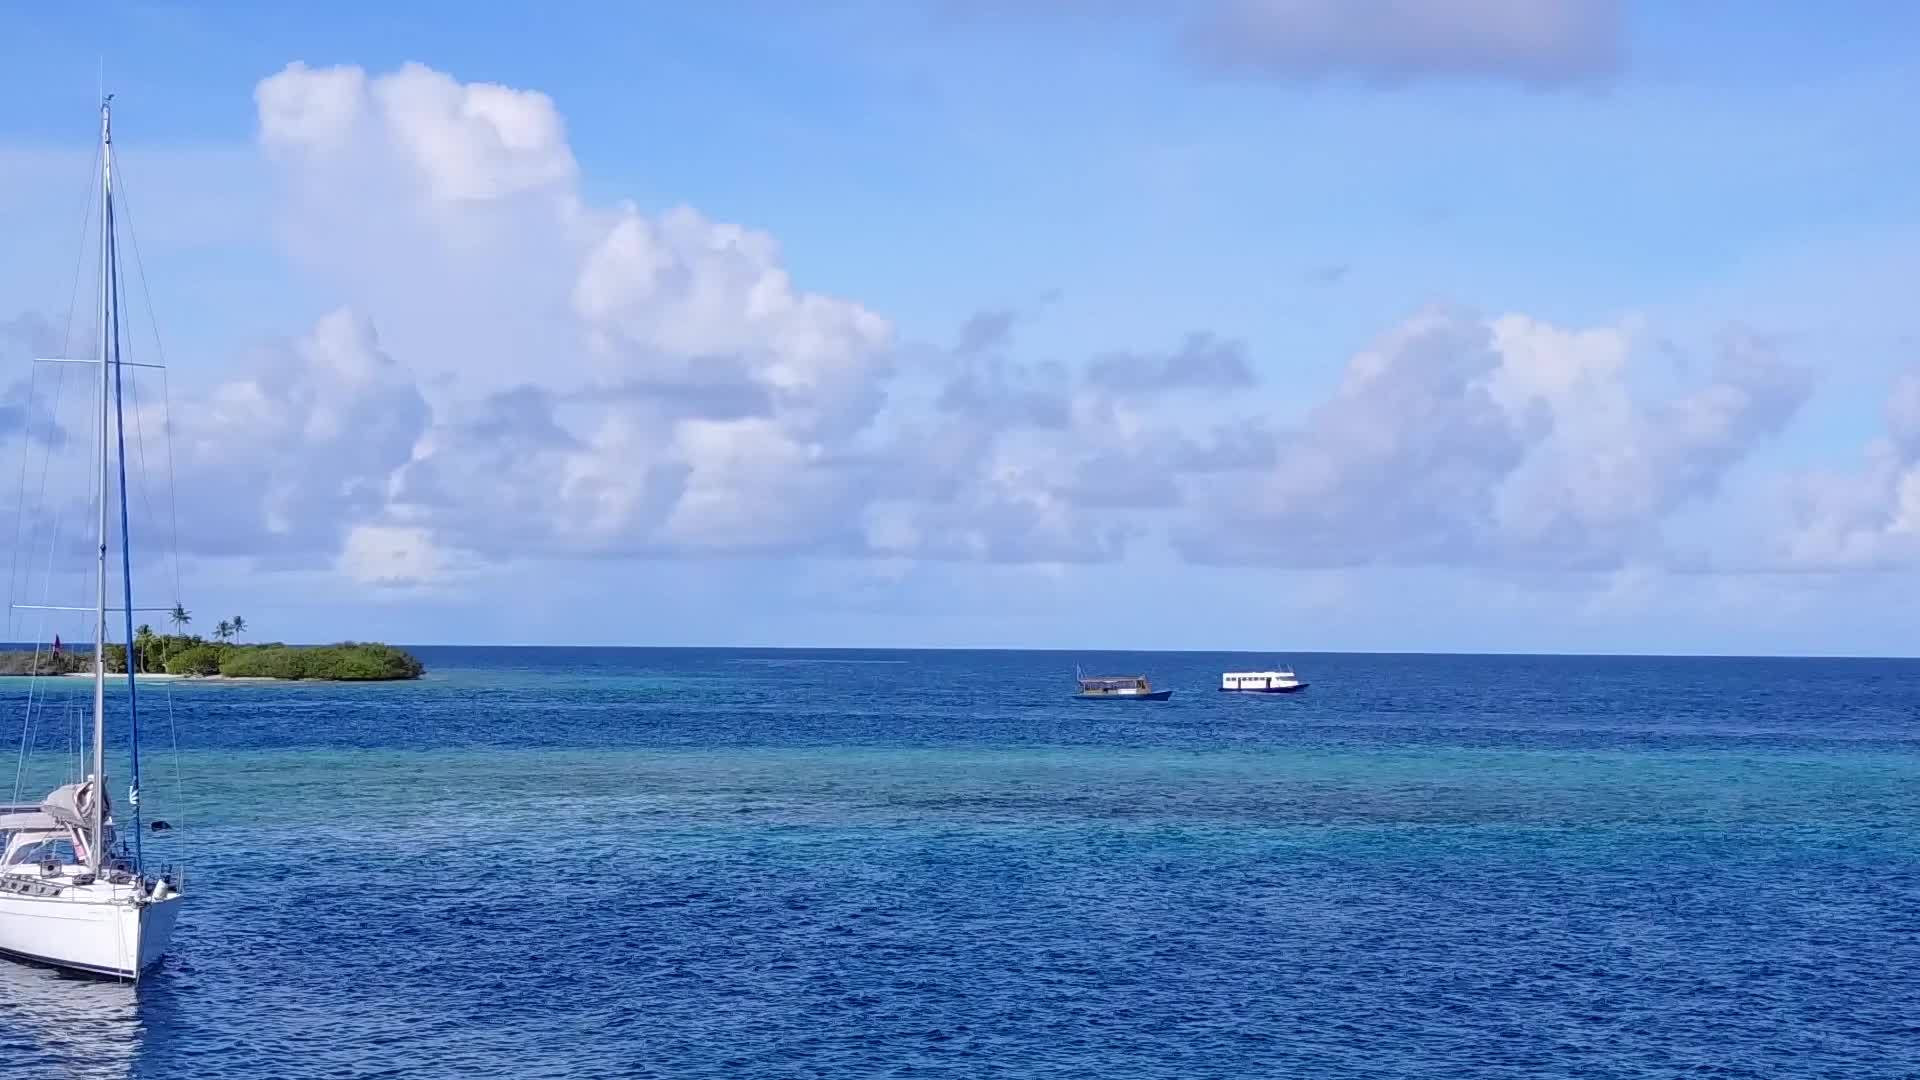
(1278, 681)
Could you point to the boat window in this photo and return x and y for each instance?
(60, 851)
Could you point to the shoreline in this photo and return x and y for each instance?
(145, 676)
(190, 658)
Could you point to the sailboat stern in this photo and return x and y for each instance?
(154, 930)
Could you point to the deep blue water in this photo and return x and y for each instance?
(711, 863)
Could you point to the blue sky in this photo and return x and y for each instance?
(1468, 325)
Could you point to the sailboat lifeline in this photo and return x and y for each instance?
(69, 896)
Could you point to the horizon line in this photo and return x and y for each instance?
(1184, 651)
(87, 646)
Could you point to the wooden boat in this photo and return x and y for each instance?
(1118, 688)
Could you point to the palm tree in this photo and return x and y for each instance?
(239, 625)
(180, 617)
(224, 630)
(142, 645)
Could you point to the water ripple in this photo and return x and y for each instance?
(696, 868)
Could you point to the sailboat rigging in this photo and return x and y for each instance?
(73, 895)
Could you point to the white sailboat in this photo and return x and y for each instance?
(73, 893)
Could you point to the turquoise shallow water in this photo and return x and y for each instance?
(714, 863)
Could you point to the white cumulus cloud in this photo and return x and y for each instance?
(516, 372)
(1459, 440)
(1867, 517)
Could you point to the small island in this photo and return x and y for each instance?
(186, 655)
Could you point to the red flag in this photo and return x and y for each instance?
(56, 644)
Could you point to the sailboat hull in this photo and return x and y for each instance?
(110, 936)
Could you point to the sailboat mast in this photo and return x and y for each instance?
(126, 557)
(97, 836)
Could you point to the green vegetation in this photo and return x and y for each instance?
(190, 654)
(198, 659)
(45, 662)
(349, 661)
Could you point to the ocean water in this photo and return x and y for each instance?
(743, 864)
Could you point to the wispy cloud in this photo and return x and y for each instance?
(1542, 43)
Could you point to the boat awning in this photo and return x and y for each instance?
(64, 809)
(26, 821)
(1112, 680)
(63, 805)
